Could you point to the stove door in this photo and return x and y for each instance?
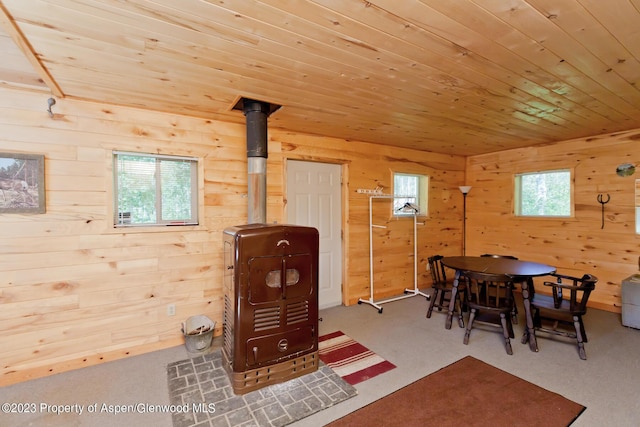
(276, 278)
(274, 347)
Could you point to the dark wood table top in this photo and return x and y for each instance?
(511, 267)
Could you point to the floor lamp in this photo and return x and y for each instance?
(465, 190)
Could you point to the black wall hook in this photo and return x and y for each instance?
(603, 202)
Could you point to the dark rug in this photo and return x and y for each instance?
(200, 389)
(468, 392)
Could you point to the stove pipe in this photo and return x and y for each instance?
(256, 113)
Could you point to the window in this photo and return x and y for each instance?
(637, 203)
(155, 190)
(409, 189)
(543, 194)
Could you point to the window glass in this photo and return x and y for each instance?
(410, 194)
(274, 280)
(155, 190)
(637, 206)
(544, 194)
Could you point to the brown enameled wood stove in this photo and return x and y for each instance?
(270, 304)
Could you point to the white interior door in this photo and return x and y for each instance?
(314, 200)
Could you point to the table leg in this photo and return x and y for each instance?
(529, 332)
(452, 302)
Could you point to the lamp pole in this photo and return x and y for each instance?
(464, 189)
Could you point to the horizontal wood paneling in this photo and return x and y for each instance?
(75, 291)
(574, 245)
(370, 166)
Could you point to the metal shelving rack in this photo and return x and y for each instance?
(408, 292)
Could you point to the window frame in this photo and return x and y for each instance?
(160, 222)
(517, 194)
(422, 195)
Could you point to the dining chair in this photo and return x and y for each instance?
(514, 312)
(442, 287)
(561, 312)
(490, 301)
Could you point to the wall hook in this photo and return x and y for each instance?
(50, 102)
(603, 202)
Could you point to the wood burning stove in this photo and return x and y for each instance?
(270, 304)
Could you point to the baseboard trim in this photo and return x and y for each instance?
(33, 372)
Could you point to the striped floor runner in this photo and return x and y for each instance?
(350, 359)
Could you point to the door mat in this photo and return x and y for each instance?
(203, 395)
(468, 392)
(349, 359)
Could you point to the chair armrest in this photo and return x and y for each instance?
(560, 285)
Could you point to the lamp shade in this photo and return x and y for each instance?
(465, 189)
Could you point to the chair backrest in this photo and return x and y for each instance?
(489, 290)
(499, 256)
(438, 275)
(578, 290)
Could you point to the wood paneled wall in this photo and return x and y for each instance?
(574, 245)
(74, 291)
(368, 166)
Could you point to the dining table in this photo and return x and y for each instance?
(520, 271)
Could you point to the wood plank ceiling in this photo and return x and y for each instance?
(463, 77)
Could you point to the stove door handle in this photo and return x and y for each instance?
(283, 278)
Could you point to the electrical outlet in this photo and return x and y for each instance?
(171, 310)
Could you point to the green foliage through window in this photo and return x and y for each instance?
(155, 190)
(543, 194)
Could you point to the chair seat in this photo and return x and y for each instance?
(514, 312)
(546, 303)
(441, 296)
(492, 317)
(489, 298)
(442, 289)
(555, 320)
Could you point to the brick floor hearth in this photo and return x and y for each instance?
(199, 388)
